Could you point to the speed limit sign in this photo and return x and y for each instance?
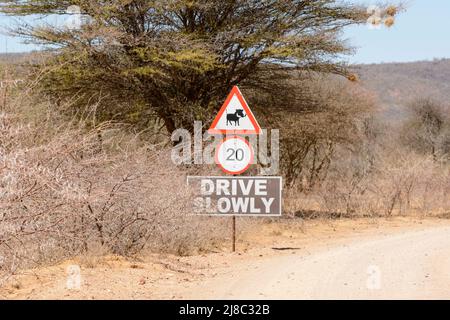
(234, 155)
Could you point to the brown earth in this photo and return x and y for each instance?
(289, 259)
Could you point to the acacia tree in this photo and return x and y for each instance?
(177, 59)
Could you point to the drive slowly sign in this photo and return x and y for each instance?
(242, 196)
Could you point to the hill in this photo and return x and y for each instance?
(397, 84)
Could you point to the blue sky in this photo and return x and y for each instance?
(420, 33)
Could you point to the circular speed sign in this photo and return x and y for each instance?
(234, 155)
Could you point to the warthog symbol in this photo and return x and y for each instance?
(235, 117)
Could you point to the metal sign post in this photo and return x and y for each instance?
(233, 226)
(234, 234)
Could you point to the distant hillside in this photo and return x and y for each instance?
(17, 64)
(7, 58)
(397, 84)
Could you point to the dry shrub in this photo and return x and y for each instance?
(68, 190)
(378, 175)
(315, 116)
(394, 183)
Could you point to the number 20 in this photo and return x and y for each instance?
(234, 155)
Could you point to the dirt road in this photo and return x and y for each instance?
(393, 259)
(410, 265)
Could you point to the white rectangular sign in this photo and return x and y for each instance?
(237, 196)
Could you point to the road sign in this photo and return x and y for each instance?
(234, 155)
(246, 196)
(237, 196)
(235, 117)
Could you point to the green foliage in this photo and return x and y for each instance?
(180, 57)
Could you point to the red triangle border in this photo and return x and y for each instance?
(248, 112)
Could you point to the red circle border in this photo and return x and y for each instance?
(252, 155)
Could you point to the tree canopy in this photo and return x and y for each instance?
(177, 59)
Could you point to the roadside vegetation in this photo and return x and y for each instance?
(85, 138)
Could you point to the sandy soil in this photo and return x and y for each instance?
(368, 258)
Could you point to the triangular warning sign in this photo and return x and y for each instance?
(235, 117)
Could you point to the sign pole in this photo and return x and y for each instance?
(234, 228)
(234, 234)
